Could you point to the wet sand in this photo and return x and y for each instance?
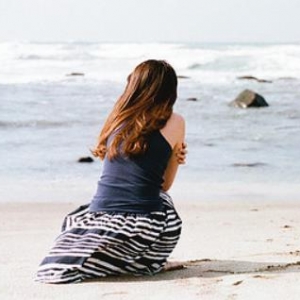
(231, 250)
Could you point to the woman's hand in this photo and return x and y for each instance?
(181, 154)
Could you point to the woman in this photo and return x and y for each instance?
(130, 226)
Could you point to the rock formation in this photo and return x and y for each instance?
(86, 159)
(248, 98)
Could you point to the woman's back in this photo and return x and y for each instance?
(133, 184)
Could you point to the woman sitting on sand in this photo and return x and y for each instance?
(130, 226)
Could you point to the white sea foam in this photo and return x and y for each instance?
(29, 62)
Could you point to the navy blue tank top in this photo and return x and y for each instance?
(133, 184)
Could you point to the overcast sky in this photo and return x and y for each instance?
(150, 20)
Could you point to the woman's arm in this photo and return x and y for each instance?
(174, 132)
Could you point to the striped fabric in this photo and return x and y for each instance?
(98, 244)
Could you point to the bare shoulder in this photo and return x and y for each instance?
(176, 118)
(174, 130)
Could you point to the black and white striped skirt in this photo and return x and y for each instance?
(98, 244)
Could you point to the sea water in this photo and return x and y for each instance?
(49, 117)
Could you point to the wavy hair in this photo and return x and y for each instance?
(145, 106)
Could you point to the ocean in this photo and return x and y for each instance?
(54, 98)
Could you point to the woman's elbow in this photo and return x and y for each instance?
(166, 186)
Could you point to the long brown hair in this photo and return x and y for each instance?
(145, 106)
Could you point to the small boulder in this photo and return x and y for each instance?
(248, 98)
(195, 66)
(86, 159)
(182, 77)
(254, 78)
(75, 74)
(251, 165)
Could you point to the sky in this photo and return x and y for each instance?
(150, 20)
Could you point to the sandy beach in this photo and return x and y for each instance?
(231, 250)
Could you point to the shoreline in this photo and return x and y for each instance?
(236, 191)
(232, 250)
(82, 191)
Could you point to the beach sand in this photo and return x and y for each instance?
(231, 250)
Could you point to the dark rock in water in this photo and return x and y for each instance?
(209, 144)
(75, 74)
(194, 66)
(254, 78)
(86, 159)
(192, 99)
(248, 98)
(182, 77)
(256, 164)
